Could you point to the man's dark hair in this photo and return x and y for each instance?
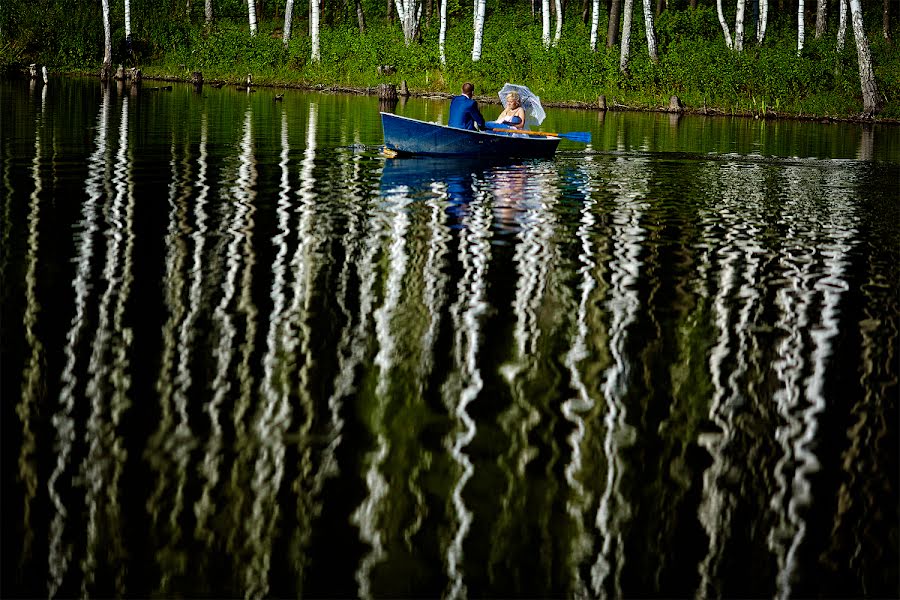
(468, 89)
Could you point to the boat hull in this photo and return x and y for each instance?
(410, 136)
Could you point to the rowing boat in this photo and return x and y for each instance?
(411, 136)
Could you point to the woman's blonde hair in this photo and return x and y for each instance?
(514, 96)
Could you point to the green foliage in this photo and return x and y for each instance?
(693, 60)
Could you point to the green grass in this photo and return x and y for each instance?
(693, 61)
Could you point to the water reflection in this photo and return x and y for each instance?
(108, 386)
(736, 257)
(270, 362)
(810, 304)
(464, 382)
(32, 375)
(60, 551)
(614, 511)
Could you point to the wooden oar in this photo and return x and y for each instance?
(576, 136)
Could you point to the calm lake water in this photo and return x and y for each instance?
(243, 354)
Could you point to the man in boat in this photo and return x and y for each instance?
(464, 113)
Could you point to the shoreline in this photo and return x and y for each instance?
(769, 115)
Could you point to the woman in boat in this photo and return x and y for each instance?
(513, 116)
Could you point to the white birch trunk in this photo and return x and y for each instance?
(442, 34)
(251, 10)
(409, 12)
(626, 36)
(871, 100)
(724, 25)
(821, 16)
(478, 23)
(842, 25)
(559, 21)
(762, 22)
(595, 23)
(315, 55)
(739, 25)
(128, 20)
(801, 25)
(107, 39)
(288, 19)
(545, 22)
(649, 31)
(209, 12)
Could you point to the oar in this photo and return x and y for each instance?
(576, 136)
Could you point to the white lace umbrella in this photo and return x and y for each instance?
(534, 112)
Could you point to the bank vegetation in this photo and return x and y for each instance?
(795, 58)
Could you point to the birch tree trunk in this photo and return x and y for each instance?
(360, 16)
(478, 23)
(801, 25)
(251, 10)
(612, 31)
(724, 25)
(442, 33)
(209, 12)
(626, 36)
(288, 21)
(762, 22)
(559, 21)
(410, 13)
(107, 39)
(651, 34)
(821, 16)
(842, 24)
(128, 23)
(871, 99)
(886, 20)
(739, 25)
(545, 22)
(595, 23)
(315, 55)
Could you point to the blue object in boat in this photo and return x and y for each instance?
(411, 136)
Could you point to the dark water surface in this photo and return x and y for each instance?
(243, 354)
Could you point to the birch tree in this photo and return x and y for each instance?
(649, 31)
(801, 25)
(251, 10)
(479, 29)
(739, 25)
(410, 14)
(545, 22)
(595, 23)
(724, 25)
(559, 21)
(209, 12)
(871, 99)
(821, 16)
(842, 24)
(107, 39)
(288, 18)
(626, 36)
(762, 21)
(315, 54)
(360, 16)
(128, 24)
(612, 31)
(442, 33)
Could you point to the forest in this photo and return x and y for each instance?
(787, 58)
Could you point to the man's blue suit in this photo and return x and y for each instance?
(464, 113)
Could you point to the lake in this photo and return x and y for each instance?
(244, 354)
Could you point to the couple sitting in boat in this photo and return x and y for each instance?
(464, 113)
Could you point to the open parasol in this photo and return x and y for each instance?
(534, 112)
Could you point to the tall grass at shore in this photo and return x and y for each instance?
(694, 63)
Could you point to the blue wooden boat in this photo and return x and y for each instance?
(410, 136)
